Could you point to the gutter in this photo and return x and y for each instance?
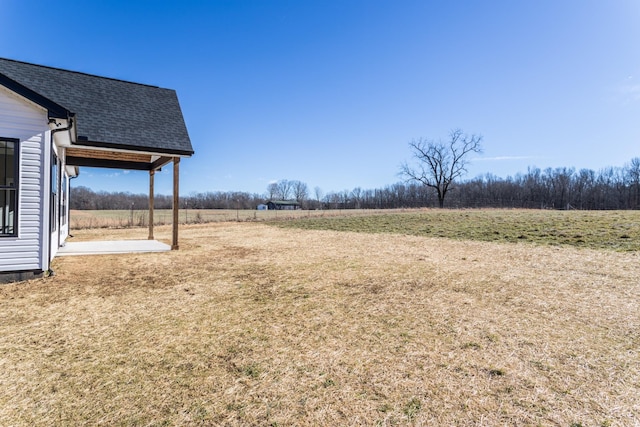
(52, 121)
(68, 128)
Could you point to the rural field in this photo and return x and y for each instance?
(81, 219)
(433, 317)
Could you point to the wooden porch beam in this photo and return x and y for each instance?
(151, 202)
(176, 200)
(160, 163)
(109, 155)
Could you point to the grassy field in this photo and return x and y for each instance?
(270, 324)
(618, 230)
(82, 219)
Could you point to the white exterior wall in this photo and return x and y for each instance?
(28, 123)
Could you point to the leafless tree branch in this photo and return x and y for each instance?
(439, 164)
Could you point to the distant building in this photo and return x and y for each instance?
(262, 207)
(286, 205)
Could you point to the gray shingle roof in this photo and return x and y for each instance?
(109, 113)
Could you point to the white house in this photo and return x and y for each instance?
(52, 122)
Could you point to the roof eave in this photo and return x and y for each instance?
(54, 110)
(97, 144)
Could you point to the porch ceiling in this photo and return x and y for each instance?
(114, 159)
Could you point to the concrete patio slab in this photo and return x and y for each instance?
(112, 247)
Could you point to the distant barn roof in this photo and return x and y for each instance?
(109, 113)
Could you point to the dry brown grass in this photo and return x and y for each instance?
(250, 324)
(83, 219)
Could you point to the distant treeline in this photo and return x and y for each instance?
(84, 198)
(559, 188)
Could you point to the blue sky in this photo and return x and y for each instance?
(330, 92)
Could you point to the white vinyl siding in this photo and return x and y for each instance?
(28, 123)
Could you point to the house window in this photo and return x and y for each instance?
(8, 187)
(65, 196)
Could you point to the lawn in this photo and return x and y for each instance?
(253, 323)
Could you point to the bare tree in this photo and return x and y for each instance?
(317, 191)
(272, 190)
(284, 189)
(634, 181)
(440, 163)
(300, 191)
(356, 195)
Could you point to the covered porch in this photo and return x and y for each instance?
(76, 156)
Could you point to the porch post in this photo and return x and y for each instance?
(151, 199)
(176, 199)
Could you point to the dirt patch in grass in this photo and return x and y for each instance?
(250, 324)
